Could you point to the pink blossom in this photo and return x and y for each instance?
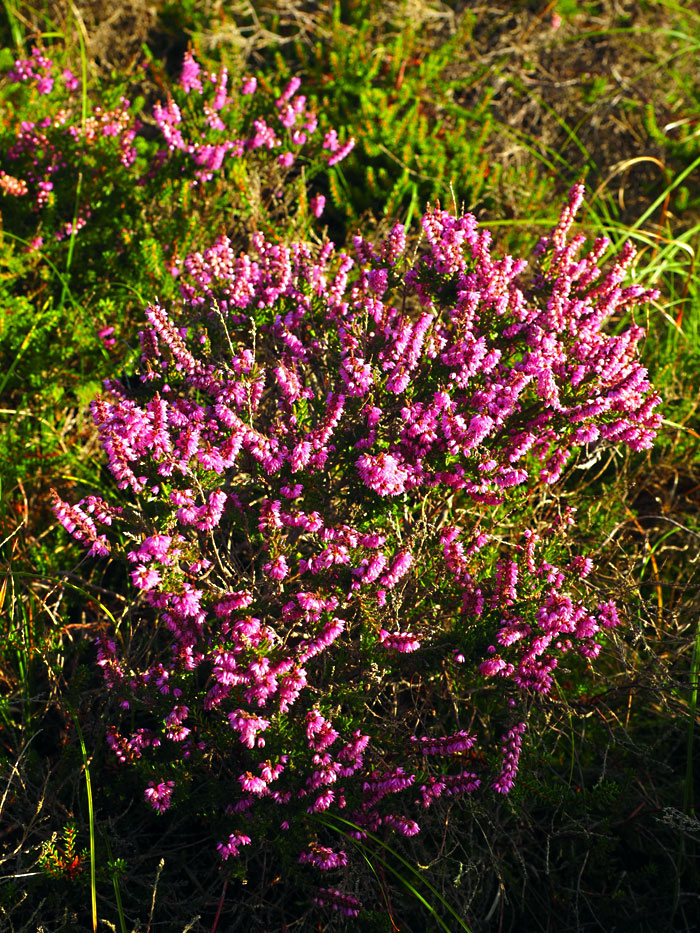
(247, 725)
(383, 473)
(317, 204)
(346, 904)
(233, 845)
(403, 642)
(159, 795)
(190, 74)
(323, 857)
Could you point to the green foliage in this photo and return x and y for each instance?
(61, 858)
(416, 142)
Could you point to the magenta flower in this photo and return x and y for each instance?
(277, 569)
(323, 857)
(159, 795)
(383, 473)
(511, 748)
(70, 80)
(345, 904)
(233, 846)
(317, 204)
(190, 74)
(247, 725)
(403, 642)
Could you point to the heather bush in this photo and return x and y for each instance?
(105, 196)
(324, 475)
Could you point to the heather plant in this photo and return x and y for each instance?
(82, 179)
(63, 859)
(324, 480)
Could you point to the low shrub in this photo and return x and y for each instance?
(327, 473)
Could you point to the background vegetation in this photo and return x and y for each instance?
(496, 107)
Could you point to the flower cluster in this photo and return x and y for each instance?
(208, 141)
(37, 70)
(78, 171)
(297, 438)
(346, 904)
(50, 152)
(158, 795)
(511, 748)
(207, 130)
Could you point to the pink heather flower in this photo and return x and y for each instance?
(159, 795)
(342, 152)
(292, 492)
(290, 90)
(277, 569)
(253, 785)
(370, 569)
(287, 116)
(226, 670)
(220, 99)
(492, 379)
(45, 84)
(319, 731)
(328, 634)
(403, 642)
(444, 745)
(383, 473)
(399, 568)
(345, 904)
(105, 335)
(449, 784)
(286, 159)
(70, 80)
(323, 857)
(330, 141)
(401, 824)
(392, 782)
(357, 376)
(493, 666)
(317, 204)
(264, 135)
(270, 772)
(249, 85)
(190, 74)
(511, 747)
(188, 602)
(247, 725)
(145, 578)
(239, 599)
(608, 615)
(80, 525)
(157, 547)
(322, 802)
(232, 847)
(290, 686)
(176, 717)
